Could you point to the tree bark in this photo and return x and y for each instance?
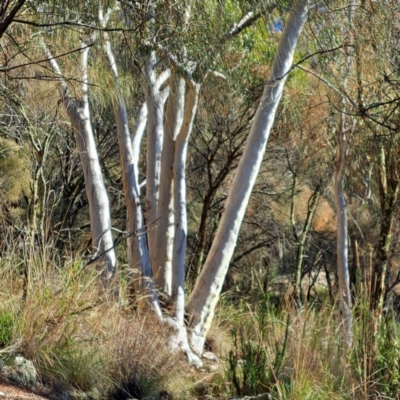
(7, 19)
(179, 250)
(155, 135)
(138, 257)
(99, 206)
(137, 134)
(205, 295)
(165, 213)
(342, 232)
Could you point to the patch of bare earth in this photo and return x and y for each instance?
(10, 392)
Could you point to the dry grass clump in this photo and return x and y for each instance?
(77, 339)
(315, 364)
(300, 354)
(290, 354)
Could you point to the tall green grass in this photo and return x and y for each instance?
(301, 355)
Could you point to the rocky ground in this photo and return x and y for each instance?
(10, 392)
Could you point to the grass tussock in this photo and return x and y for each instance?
(53, 313)
(77, 339)
(297, 355)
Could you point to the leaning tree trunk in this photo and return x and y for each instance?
(205, 295)
(99, 206)
(138, 257)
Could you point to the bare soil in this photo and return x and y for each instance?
(10, 392)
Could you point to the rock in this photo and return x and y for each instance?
(263, 396)
(64, 396)
(214, 368)
(21, 372)
(76, 394)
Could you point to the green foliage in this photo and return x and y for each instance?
(6, 328)
(72, 362)
(375, 360)
(252, 365)
(388, 358)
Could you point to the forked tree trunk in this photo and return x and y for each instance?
(138, 257)
(165, 213)
(205, 295)
(141, 121)
(99, 206)
(155, 136)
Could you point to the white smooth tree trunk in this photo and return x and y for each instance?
(138, 257)
(179, 251)
(165, 213)
(342, 232)
(155, 135)
(138, 132)
(99, 207)
(205, 295)
(141, 119)
(343, 133)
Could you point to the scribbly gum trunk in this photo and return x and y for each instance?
(389, 182)
(205, 295)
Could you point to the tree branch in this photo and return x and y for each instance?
(10, 17)
(249, 19)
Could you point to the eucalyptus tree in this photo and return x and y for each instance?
(78, 111)
(175, 79)
(205, 295)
